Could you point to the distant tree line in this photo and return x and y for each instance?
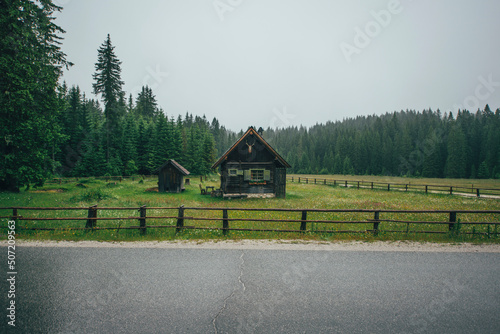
(408, 143)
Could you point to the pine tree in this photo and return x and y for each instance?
(337, 164)
(163, 141)
(483, 172)
(108, 83)
(431, 166)
(347, 168)
(129, 139)
(456, 161)
(146, 104)
(193, 151)
(328, 162)
(175, 140)
(207, 153)
(31, 63)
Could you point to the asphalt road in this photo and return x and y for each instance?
(141, 290)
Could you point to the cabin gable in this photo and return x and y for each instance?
(252, 166)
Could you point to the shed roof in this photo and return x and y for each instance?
(251, 131)
(177, 166)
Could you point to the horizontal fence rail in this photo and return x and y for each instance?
(230, 219)
(427, 188)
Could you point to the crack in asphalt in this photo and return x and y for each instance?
(232, 293)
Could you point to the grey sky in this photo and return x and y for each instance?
(289, 62)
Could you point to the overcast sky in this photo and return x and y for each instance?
(285, 63)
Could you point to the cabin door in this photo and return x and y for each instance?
(171, 181)
(280, 182)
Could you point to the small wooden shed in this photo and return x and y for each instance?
(252, 167)
(171, 177)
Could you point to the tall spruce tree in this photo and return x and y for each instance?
(146, 103)
(455, 164)
(31, 63)
(108, 83)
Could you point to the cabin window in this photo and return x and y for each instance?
(257, 174)
(234, 172)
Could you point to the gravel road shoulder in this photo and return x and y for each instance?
(379, 246)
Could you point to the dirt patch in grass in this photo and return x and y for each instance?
(60, 190)
(153, 190)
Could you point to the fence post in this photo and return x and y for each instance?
(225, 222)
(303, 224)
(453, 220)
(426, 189)
(451, 190)
(314, 181)
(358, 184)
(388, 187)
(372, 185)
(92, 213)
(180, 218)
(376, 222)
(307, 180)
(14, 214)
(299, 179)
(292, 178)
(346, 183)
(334, 182)
(477, 192)
(142, 220)
(324, 182)
(406, 187)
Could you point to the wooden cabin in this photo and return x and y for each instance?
(251, 167)
(171, 177)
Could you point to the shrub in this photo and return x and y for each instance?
(92, 195)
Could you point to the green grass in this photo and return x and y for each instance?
(133, 193)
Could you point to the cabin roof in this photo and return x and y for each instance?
(177, 166)
(251, 131)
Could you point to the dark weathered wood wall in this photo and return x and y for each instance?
(252, 154)
(165, 184)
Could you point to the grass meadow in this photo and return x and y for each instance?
(137, 191)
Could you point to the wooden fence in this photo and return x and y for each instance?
(399, 186)
(372, 222)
